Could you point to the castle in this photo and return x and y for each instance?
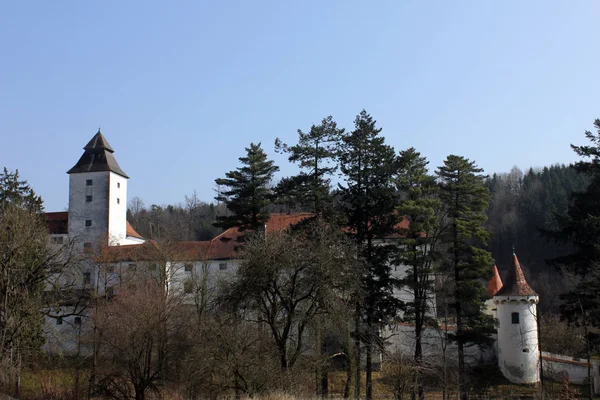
(97, 219)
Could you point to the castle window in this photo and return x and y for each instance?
(88, 222)
(515, 317)
(188, 286)
(223, 266)
(59, 320)
(87, 246)
(188, 267)
(118, 184)
(88, 199)
(87, 278)
(57, 240)
(88, 182)
(77, 321)
(118, 200)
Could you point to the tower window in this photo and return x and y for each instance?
(88, 182)
(118, 200)
(515, 317)
(88, 199)
(59, 320)
(88, 222)
(77, 321)
(87, 246)
(188, 267)
(223, 266)
(118, 184)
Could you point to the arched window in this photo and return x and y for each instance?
(515, 317)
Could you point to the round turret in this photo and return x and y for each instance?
(516, 303)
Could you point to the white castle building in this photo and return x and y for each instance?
(96, 221)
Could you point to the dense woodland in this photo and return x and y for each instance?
(327, 280)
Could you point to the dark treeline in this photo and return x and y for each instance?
(525, 204)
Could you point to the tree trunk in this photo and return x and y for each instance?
(357, 353)
(418, 386)
(369, 360)
(324, 368)
(140, 393)
(349, 362)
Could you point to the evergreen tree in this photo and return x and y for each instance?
(581, 229)
(367, 200)
(18, 193)
(247, 194)
(466, 198)
(420, 204)
(315, 154)
(581, 226)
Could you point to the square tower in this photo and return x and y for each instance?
(97, 197)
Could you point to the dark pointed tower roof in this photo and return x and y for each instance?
(98, 156)
(516, 284)
(495, 284)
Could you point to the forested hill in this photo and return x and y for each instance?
(522, 205)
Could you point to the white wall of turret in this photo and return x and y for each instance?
(518, 352)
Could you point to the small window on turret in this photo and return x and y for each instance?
(88, 182)
(118, 184)
(118, 200)
(515, 317)
(88, 222)
(88, 199)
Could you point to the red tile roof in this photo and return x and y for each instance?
(147, 251)
(224, 246)
(516, 284)
(132, 232)
(495, 283)
(58, 222)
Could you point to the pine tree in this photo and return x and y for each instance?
(368, 199)
(466, 198)
(581, 229)
(315, 154)
(247, 194)
(420, 204)
(581, 226)
(16, 192)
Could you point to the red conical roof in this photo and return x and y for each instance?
(515, 284)
(495, 283)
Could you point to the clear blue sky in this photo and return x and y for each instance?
(179, 88)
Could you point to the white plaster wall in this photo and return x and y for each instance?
(208, 271)
(406, 295)
(66, 338)
(560, 367)
(96, 210)
(400, 339)
(132, 240)
(518, 354)
(117, 209)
